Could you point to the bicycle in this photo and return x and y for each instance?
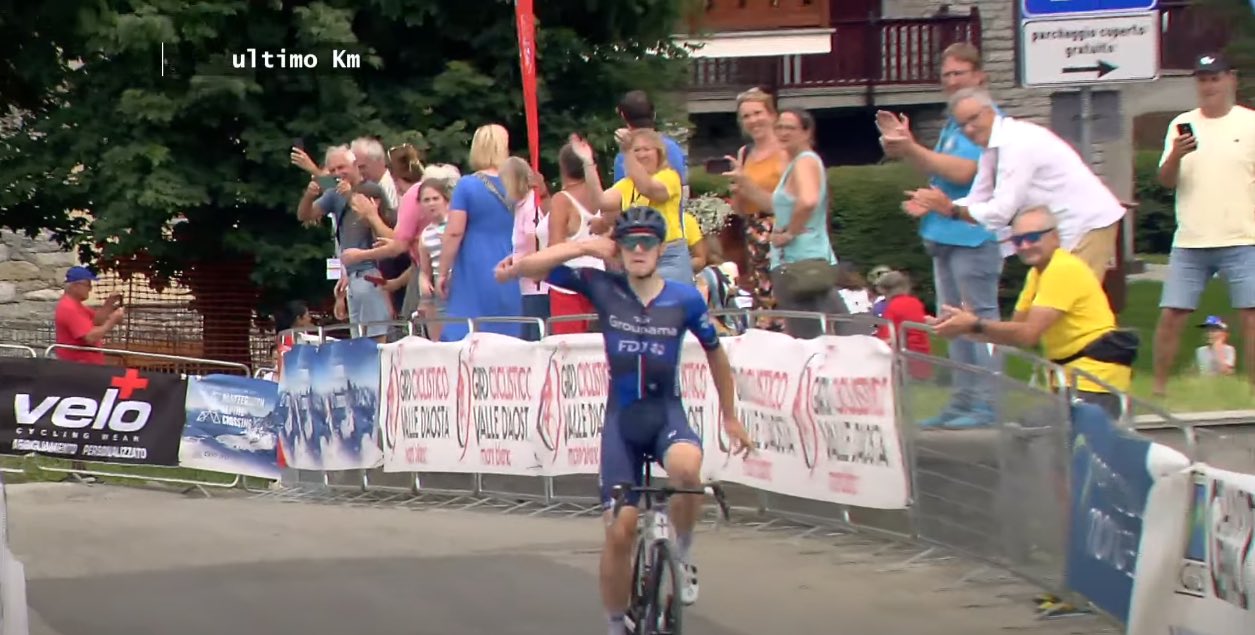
(649, 611)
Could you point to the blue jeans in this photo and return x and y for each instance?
(676, 263)
(969, 275)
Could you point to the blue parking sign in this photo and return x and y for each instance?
(1035, 8)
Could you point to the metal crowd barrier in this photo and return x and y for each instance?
(17, 350)
(151, 473)
(997, 493)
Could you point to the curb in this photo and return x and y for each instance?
(1218, 418)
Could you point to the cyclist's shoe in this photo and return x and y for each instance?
(688, 592)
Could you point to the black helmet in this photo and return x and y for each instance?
(640, 219)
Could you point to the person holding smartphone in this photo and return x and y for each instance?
(1209, 159)
(355, 211)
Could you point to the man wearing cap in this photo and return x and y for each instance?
(1209, 159)
(1217, 356)
(79, 325)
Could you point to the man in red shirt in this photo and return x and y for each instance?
(78, 325)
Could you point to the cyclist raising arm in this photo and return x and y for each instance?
(644, 318)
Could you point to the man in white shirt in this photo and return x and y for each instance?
(372, 161)
(1209, 158)
(1026, 165)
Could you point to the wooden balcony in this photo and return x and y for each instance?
(759, 15)
(1187, 32)
(864, 52)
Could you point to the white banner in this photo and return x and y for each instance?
(572, 406)
(505, 377)
(821, 412)
(1196, 571)
(846, 415)
(767, 367)
(418, 408)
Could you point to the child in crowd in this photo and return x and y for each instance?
(717, 282)
(901, 306)
(853, 289)
(873, 277)
(1217, 357)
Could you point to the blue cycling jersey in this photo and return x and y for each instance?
(643, 342)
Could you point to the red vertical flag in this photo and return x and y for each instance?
(526, 21)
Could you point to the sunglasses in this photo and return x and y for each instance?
(644, 241)
(1030, 238)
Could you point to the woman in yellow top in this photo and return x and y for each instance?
(651, 181)
(696, 242)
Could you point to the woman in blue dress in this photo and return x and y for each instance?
(479, 235)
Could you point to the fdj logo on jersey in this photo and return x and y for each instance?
(114, 411)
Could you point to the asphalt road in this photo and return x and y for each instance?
(105, 560)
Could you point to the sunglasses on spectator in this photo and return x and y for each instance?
(1030, 238)
(644, 241)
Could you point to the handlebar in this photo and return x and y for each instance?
(714, 490)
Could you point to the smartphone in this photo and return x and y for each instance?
(1185, 129)
(328, 183)
(376, 280)
(718, 166)
(298, 143)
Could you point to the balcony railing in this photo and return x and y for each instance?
(1187, 32)
(876, 51)
(760, 15)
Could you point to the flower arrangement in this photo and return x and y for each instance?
(711, 212)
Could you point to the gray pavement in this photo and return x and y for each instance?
(105, 560)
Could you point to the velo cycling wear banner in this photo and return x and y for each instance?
(328, 403)
(87, 412)
(419, 411)
(231, 426)
(1201, 569)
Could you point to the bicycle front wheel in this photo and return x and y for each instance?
(662, 592)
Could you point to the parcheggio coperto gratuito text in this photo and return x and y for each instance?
(1106, 36)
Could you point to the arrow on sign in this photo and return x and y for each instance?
(1102, 68)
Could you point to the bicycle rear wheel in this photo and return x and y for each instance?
(661, 598)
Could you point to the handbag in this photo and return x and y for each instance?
(1113, 347)
(807, 278)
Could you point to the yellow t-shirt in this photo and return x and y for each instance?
(1216, 185)
(692, 230)
(1068, 285)
(669, 208)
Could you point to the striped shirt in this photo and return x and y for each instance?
(432, 240)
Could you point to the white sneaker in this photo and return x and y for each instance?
(688, 591)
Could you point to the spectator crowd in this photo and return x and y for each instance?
(421, 241)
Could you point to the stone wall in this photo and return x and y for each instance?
(32, 275)
(998, 32)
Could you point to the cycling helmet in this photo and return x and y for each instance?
(640, 219)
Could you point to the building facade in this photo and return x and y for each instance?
(882, 54)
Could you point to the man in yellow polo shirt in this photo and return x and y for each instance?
(1063, 308)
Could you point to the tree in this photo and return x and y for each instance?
(185, 165)
(1238, 18)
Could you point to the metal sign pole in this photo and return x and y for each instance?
(1087, 134)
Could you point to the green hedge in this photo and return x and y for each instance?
(1155, 218)
(869, 227)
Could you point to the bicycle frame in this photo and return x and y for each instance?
(654, 537)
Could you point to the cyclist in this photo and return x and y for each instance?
(644, 318)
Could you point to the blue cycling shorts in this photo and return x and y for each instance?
(636, 433)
